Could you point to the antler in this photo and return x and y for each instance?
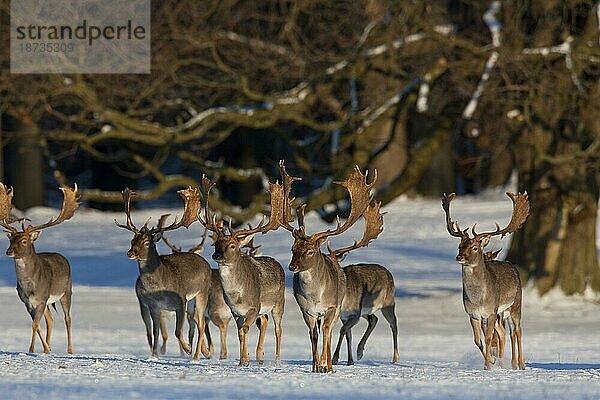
(453, 228)
(360, 198)
(519, 216)
(191, 208)
(252, 249)
(196, 249)
(127, 196)
(174, 249)
(70, 204)
(210, 223)
(491, 255)
(373, 227)
(280, 206)
(6, 194)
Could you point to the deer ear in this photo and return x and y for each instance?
(157, 236)
(485, 240)
(34, 235)
(246, 240)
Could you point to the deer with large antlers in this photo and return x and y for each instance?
(168, 282)
(492, 291)
(369, 288)
(319, 281)
(253, 286)
(42, 278)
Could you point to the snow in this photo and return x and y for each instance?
(438, 359)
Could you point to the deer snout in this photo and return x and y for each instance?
(10, 252)
(131, 255)
(293, 268)
(217, 257)
(460, 259)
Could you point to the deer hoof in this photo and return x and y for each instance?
(359, 353)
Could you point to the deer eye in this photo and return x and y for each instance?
(146, 242)
(309, 253)
(232, 246)
(23, 241)
(475, 248)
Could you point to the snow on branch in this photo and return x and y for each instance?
(299, 93)
(565, 49)
(422, 98)
(494, 26)
(489, 17)
(472, 105)
(387, 105)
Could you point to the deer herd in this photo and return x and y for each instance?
(248, 287)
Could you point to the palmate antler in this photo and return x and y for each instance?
(519, 216)
(276, 214)
(360, 201)
(69, 205)
(191, 208)
(360, 198)
(373, 227)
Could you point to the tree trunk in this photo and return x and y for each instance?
(557, 246)
(25, 164)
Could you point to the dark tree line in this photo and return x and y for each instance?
(439, 96)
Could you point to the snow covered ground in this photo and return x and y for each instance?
(438, 359)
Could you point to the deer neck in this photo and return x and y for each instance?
(317, 274)
(473, 277)
(26, 266)
(234, 269)
(151, 263)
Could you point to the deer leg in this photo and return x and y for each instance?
(208, 335)
(179, 316)
(277, 314)
(200, 320)
(390, 315)
(155, 316)
(163, 332)
(313, 333)
(145, 312)
(476, 326)
(261, 323)
(499, 338)
(243, 324)
(372, 319)
(65, 303)
(519, 335)
(37, 315)
(345, 332)
(49, 324)
(489, 326)
(222, 324)
(336, 353)
(330, 317)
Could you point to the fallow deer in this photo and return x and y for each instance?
(319, 282)
(369, 288)
(491, 289)
(42, 278)
(168, 282)
(252, 286)
(217, 309)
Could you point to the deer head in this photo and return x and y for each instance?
(227, 241)
(144, 240)
(470, 249)
(307, 247)
(21, 241)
